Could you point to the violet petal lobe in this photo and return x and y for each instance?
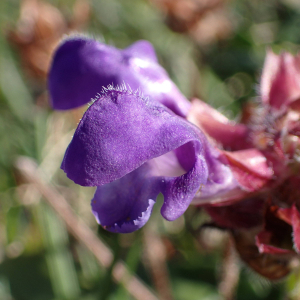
(82, 66)
(179, 192)
(123, 136)
(125, 205)
(120, 132)
(141, 49)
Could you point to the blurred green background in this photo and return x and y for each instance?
(215, 53)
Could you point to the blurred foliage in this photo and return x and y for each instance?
(38, 257)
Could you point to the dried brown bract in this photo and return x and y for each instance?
(39, 30)
(205, 21)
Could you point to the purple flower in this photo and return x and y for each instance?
(132, 149)
(82, 66)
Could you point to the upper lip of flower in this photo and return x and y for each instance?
(114, 147)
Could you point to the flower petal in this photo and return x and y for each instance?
(179, 191)
(280, 81)
(141, 49)
(270, 69)
(217, 127)
(122, 133)
(125, 205)
(82, 66)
